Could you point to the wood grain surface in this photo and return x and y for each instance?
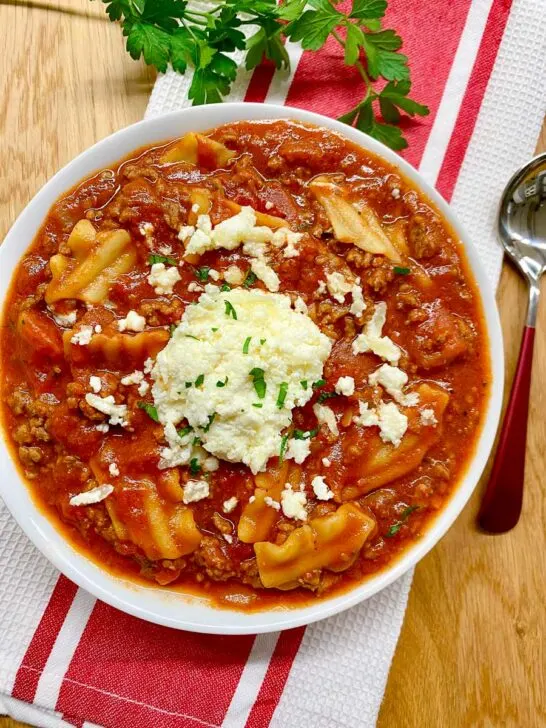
(471, 651)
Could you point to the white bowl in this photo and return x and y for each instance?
(172, 608)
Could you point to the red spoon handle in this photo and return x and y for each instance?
(501, 506)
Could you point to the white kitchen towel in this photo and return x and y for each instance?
(481, 66)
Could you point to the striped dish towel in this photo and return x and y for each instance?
(67, 659)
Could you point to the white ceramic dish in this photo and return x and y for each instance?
(171, 608)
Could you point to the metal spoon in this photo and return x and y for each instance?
(522, 231)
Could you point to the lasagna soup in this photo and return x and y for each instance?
(250, 364)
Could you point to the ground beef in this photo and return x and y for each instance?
(425, 237)
(30, 456)
(161, 313)
(213, 559)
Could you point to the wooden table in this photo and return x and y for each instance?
(471, 651)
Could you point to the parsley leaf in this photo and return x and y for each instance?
(221, 383)
(303, 435)
(195, 468)
(250, 279)
(246, 344)
(230, 311)
(200, 379)
(284, 443)
(258, 380)
(323, 396)
(401, 271)
(150, 410)
(283, 391)
(184, 431)
(202, 273)
(187, 37)
(161, 259)
(393, 530)
(225, 287)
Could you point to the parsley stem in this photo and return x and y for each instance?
(358, 65)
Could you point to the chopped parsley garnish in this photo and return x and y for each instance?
(200, 379)
(211, 420)
(161, 259)
(225, 287)
(202, 273)
(150, 410)
(196, 441)
(187, 384)
(214, 328)
(401, 270)
(246, 344)
(284, 443)
(262, 341)
(172, 329)
(184, 431)
(283, 389)
(230, 311)
(191, 336)
(319, 383)
(250, 279)
(325, 395)
(304, 383)
(258, 380)
(406, 513)
(258, 405)
(304, 434)
(219, 383)
(194, 466)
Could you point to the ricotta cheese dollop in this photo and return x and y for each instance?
(233, 369)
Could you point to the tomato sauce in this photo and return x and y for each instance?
(434, 316)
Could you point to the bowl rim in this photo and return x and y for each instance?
(166, 607)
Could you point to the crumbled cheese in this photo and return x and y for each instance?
(194, 286)
(98, 328)
(395, 192)
(132, 322)
(325, 416)
(345, 386)
(321, 288)
(135, 377)
(367, 417)
(213, 274)
(143, 387)
(372, 338)
(103, 427)
(234, 275)
(210, 464)
(289, 239)
(180, 450)
(252, 499)
(293, 350)
(96, 384)
(299, 305)
(391, 422)
(65, 319)
(298, 450)
(83, 336)
(148, 365)
(162, 279)
(393, 380)
(272, 503)
(269, 205)
(165, 249)
(266, 274)
(113, 470)
(107, 405)
(321, 489)
(358, 305)
(230, 504)
(326, 462)
(146, 229)
(228, 537)
(293, 503)
(338, 286)
(195, 208)
(428, 418)
(95, 495)
(195, 490)
(185, 232)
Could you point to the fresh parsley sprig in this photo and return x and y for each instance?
(172, 32)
